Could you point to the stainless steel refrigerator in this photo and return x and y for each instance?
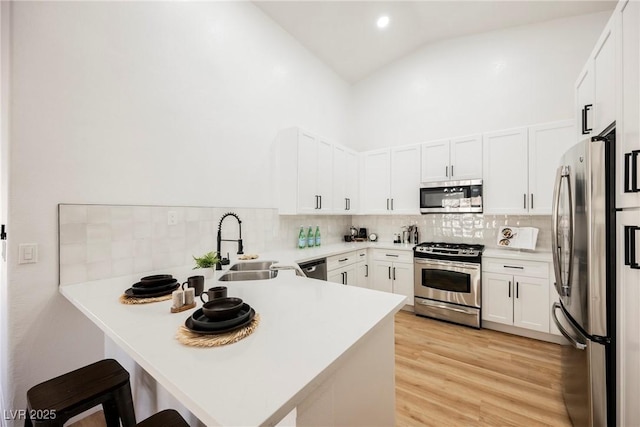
(583, 239)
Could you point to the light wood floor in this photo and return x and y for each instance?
(449, 376)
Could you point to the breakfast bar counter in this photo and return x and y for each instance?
(324, 349)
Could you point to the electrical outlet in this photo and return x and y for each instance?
(27, 253)
(172, 218)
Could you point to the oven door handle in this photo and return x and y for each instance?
(447, 263)
(445, 307)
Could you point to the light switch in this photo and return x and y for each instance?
(27, 253)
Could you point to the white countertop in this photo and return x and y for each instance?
(308, 254)
(306, 326)
(522, 255)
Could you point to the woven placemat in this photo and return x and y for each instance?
(193, 339)
(124, 299)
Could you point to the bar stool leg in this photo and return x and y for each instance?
(124, 402)
(27, 419)
(110, 410)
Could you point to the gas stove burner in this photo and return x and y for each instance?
(449, 249)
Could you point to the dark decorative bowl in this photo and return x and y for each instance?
(156, 280)
(222, 308)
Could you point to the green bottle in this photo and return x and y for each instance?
(317, 235)
(302, 238)
(311, 239)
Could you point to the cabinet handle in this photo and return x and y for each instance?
(387, 204)
(317, 202)
(585, 110)
(363, 254)
(389, 273)
(446, 171)
(395, 256)
(346, 277)
(394, 273)
(517, 289)
(343, 281)
(509, 289)
(531, 206)
(631, 172)
(391, 204)
(630, 246)
(366, 270)
(349, 203)
(346, 204)
(343, 259)
(524, 200)
(320, 202)
(519, 267)
(451, 171)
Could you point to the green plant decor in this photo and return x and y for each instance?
(208, 260)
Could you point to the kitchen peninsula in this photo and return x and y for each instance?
(323, 349)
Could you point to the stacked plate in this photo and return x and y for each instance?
(220, 316)
(153, 286)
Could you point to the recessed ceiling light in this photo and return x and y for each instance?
(382, 22)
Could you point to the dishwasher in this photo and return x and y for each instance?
(315, 269)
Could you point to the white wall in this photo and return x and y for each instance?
(518, 76)
(4, 190)
(163, 103)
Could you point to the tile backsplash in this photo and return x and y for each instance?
(456, 228)
(102, 241)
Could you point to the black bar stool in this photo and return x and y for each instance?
(166, 418)
(105, 383)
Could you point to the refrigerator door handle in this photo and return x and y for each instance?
(561, 288)
(563, 331)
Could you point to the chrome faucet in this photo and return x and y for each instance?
(225, 261)
(296, 267)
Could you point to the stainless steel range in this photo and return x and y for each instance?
(447, 282)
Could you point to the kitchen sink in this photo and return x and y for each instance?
(234, 276)
(252, 266)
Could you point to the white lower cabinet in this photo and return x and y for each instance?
(628, 316)
(515, 298)
(393, 272)
(362, 268)
(342, 268)
(345, 275)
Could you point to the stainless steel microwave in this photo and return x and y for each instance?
(451, 196)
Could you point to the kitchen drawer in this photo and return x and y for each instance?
(393, 255)
(342, 260)
(516, 267)
(361, 255)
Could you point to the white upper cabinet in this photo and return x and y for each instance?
(324, 175)
(520, 167)
(596, 87)
(466, 155)
(345, 180)
(405, 180)
(455, 159)
(376, 182)
(547, 143)
(628, 116)
(391, 181)
(352, 177)
(435, 161)
(605, 80)
(505, 182)
(584, 102)
(305, 173)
